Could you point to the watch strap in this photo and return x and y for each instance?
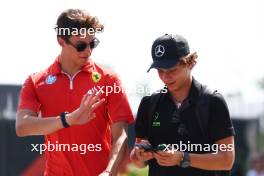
(185, 162)
(63, 119)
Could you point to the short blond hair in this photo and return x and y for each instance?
(190, 59)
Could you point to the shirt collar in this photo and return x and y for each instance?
(193, 93)
(55, 68)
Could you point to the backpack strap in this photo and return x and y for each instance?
(202, 109)
(202, 115)
(153, 103)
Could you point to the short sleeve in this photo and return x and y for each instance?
(220, 124)
(28, 98)
(141, 126)
(118, 107)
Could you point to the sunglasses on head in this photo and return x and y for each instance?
(81, 46)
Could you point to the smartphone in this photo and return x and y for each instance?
(146, 147)
(160, 147)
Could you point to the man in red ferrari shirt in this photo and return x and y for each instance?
(72, 103)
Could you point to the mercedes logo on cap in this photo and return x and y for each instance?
(159, 50)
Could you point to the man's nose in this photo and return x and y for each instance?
(88, 50)
(166, 76)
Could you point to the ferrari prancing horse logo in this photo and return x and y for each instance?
(96, 77)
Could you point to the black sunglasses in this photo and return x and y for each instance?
(81, 46)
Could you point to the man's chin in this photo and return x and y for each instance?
(172, 88)
(84, 58)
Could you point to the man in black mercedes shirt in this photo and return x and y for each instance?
(185, 129)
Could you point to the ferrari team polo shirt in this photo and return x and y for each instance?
(82, 149)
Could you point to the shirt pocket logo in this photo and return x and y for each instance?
(50, 79)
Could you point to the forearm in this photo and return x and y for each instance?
(219, 161)
(27, 122)
(31, 125)
(118, 152)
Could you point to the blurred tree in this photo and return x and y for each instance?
(261, 86)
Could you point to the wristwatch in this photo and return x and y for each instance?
(63, 119)
(185, 162)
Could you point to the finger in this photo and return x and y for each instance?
(143, 153)
(140, 150)
(145, 158)
(86, 98)
(156, 154)
(164, 154)
(90, 92)
(146, 154)
(163, 160)
(92, 99)
(97, 104)
(98, 93)
(139, 155)
(160, 158)
(92, 116)
(89, 98)
(161, 163)
(145, 141)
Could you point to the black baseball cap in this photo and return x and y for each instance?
(167, 50)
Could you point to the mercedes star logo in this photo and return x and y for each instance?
(159, 50)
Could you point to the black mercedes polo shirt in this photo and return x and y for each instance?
(174, 125)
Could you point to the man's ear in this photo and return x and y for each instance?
(193, 61)
(195, 55)
(61, 41)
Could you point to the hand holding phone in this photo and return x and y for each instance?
(160, 147)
